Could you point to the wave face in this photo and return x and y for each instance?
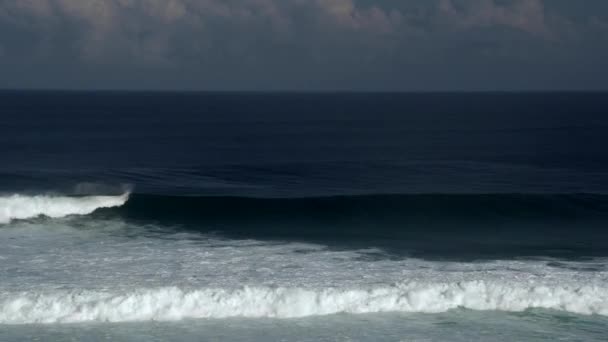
(172, 303)
(410, 206)
(470, 225)
(25, 207)
(387, 207)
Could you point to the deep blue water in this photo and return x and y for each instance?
(386, 187)
(299, 145)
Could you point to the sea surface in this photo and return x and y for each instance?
(150, 216)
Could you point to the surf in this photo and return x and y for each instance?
(20, 207)
(174, 303)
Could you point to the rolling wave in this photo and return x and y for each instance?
(386, 206)
(173, 303)
(464, 225)
(398, 206)
(24, 207)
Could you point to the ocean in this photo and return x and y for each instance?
(189, 216)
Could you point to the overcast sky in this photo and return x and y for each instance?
(401, 45)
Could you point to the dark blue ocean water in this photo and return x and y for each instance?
(486, 173)
(298, 145)
(314, 192)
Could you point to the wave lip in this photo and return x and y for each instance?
(172, 303)
(19, 207)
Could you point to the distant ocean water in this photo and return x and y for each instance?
(345, 216)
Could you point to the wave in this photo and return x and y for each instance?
(400, 207)
(173, 303)
(385, 206)
(24, 207)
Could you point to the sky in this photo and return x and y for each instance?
(304, 45)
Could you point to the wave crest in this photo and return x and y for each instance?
(172, 303)
(17, 207)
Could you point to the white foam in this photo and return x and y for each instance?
(172, 303)
(24, 207)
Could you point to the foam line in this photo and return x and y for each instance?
(172, 303)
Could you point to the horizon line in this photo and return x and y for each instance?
(301, 91)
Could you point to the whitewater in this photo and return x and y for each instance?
(82, 269)
(172, 303)
(139, 267)
(18, 206)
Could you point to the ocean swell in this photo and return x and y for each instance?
(173, 303)
(17, 206)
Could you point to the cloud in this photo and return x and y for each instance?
(599, 27)
(107, 30)
(524, 15)
(161, 32)
(20, 13)
(374, 19)
(303, 40)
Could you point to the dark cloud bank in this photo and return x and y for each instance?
(304, 44)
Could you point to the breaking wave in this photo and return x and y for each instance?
(17, 207)
(172, 303)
